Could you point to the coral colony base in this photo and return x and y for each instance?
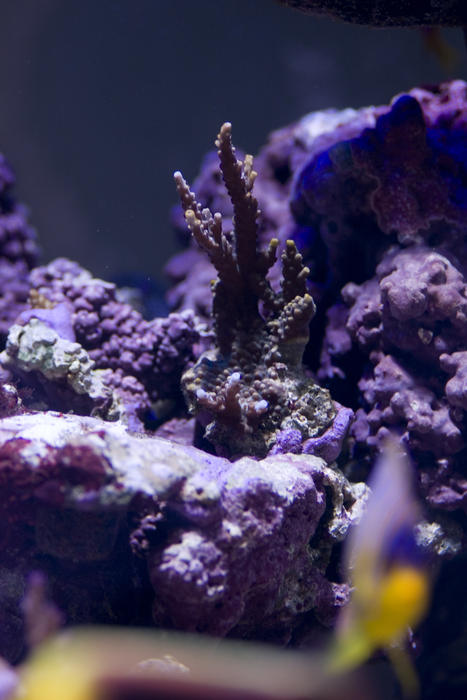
(200, 471)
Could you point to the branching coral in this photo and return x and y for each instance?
(252, 385)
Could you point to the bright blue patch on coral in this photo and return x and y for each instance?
(404, 110)
(450, 148)
(404, 549)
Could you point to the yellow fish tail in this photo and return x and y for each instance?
(405, 671)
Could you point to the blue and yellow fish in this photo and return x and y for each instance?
(388, 572)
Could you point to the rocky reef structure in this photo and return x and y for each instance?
(133, 365)
(363, 211)
(19, 251)
(128, 528)
(399, 323)
(251, 393)
(376, 202)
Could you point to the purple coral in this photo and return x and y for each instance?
(144, 359)
(19, 251)
(399, 180)
(144, 528)
(397, 239)
(378, 202)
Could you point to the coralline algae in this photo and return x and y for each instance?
(376, 201)
(238, 548)
(133, 528)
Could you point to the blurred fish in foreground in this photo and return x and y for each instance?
(118, 664)
(388, 571)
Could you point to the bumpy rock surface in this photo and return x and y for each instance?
(19, 251)
(61, 371)
(144, 359)
(231, 548)
(376, 201)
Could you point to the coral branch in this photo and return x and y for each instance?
(252, 386)
(239, 178)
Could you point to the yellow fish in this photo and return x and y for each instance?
(388, 572)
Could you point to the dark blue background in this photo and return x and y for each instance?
(101, 100)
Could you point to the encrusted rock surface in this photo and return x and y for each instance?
(60, 369)
(19, 251)
(143, 359)
(376, 201)
(230, 548)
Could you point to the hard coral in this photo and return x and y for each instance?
(378, 201)
(252, 385)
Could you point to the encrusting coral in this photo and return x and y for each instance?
(143, 360)
(252, 386)
(19, 251)
(375, 199)
(240, 547)
(135, 529)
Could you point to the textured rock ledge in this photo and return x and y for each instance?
(128, 528)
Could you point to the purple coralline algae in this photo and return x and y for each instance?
(399, 323)
(230, 548)
(252, 387)
(103, 489)
(376, 202)
(143, 360)
(19, 251)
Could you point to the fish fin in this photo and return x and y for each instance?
(405, 671)
(348, 651)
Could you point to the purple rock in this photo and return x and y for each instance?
(144, 359)
(329, 444)
(19, 251)
(231, 548)
(57, 317)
